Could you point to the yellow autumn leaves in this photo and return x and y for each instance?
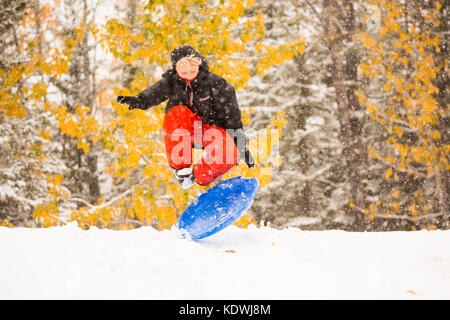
(129, 144)
(403, 58)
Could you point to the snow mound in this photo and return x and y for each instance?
(255, 263)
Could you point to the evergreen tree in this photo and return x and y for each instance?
(27, 166)
(408, 102)
(78, 88)
(311, 181)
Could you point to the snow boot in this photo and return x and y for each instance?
(185, 177)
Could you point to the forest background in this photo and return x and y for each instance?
(352, 96)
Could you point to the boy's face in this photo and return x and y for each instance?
(185, 72)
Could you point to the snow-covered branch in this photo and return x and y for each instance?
(104, 205)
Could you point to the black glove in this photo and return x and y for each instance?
(132, 101)
(241, 144)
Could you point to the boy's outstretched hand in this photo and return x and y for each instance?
(132, 102)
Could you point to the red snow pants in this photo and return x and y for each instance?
(182, 129)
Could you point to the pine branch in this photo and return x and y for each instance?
(314, 11)
(401, 217)
(104, 205)
(322, 19)
(405, 170)
(406, 217)
(61, 87)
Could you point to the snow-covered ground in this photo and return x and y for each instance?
(255, 263)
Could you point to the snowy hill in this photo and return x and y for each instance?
(257, 263)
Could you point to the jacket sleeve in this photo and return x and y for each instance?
(224, 96)
(155, 94)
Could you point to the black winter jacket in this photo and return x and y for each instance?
(209, 95)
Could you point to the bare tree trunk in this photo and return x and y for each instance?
(130, 70)
(344, 81)
(79, 88)
(442, 97)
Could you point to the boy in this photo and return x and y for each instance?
(202, 111)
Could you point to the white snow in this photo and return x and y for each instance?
(255, 263)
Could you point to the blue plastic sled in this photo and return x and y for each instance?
(217, 208)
